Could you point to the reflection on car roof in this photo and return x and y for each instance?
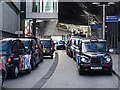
(8, 39)
(25, 39)
(92, 39)
(45, 39)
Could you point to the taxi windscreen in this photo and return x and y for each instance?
(94, 47)
(46, 43)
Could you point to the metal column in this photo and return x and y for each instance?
(34, 28)
(103, 21)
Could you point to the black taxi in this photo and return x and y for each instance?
(16, 57)
(94, 55)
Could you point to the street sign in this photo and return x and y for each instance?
(118, 18)
(18, 32)
(112, 18)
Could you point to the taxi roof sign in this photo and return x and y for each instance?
(93, 40)
(18, 32)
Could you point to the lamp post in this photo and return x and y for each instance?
(103, 5)
(21, 22)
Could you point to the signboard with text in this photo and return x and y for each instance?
(112, 18)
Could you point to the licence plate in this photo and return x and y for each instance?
(96, 68)
(44, 49)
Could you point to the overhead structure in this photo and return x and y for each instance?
(77, 12)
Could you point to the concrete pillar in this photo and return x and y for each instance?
(22, 17)
(34, 28)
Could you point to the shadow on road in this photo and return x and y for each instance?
(96, 74)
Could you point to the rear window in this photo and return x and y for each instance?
(4, 45)
(27, 45)
(46, 43)
(61, 42)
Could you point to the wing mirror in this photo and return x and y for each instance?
(111, 50)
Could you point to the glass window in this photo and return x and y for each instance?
(61, 42)
(46, 43)
(4, 45)
(45, 6)
(15, 47)
(27, 45)
(94, 47)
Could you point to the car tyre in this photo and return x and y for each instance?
(15, 72)
(109, 72)
(33, 64)
(3, 76)
(36, 61)
(51, 56)
(37, 64)
(41, 60)
(81, 72)
(28, 70)
(71, 54)
(66, 52)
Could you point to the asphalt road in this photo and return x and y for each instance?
(29, 80)
(66, 76)
(115, 58)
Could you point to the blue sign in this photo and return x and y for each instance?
(118, 18)
(112, 18)
(78, 59)
(95, 26)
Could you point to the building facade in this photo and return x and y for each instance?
(9, 19)
(42, 9)
(38, 12)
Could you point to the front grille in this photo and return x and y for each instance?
(95, 60)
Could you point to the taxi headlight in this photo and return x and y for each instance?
(108, 59)
(43, 50)
(85, 60)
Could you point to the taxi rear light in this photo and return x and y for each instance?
(9, 60)
(30, 53)
(36, 45)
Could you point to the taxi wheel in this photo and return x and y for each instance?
(109, 72)
(71, 54)
(37, 64)
(15, 72)
(81, 72)
(33, 64)
(41, 60)
(3, 76)
(36, 61)
(51, 56)
(28, 70)
(67, 52)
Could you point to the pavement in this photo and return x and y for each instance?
(116, 65)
